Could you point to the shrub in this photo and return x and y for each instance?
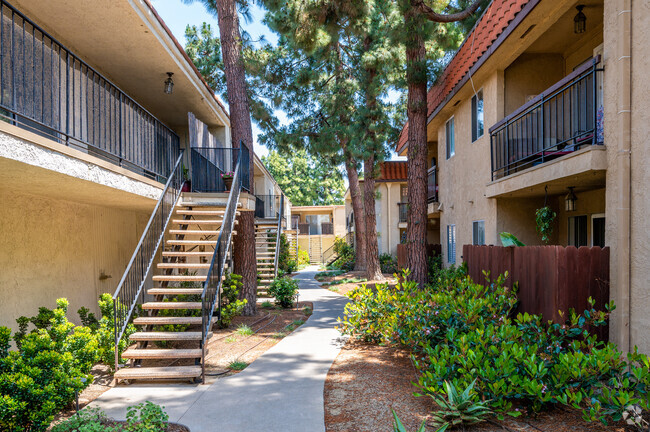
(388, 263)
(464, 334)
(231, 305)
(284, 290)
(303, 256)
(105, 333)
(346, 255)
(285, 263)
(41, 377)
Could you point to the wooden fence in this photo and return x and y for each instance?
(432, 251)
(551, 278)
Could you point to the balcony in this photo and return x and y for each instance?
(48, 90)
(432, 185)
(211, 164)
(325, 228)
(267, 206)
(561, 120)
(403, 212)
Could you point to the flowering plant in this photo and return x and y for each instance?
(227, 175)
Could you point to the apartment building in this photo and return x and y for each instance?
(316, 228)
(119, 175)
(545, 103)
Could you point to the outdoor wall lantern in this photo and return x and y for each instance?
(571, 200)
(169, 83)
(580, 21)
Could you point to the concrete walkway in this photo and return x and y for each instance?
(280, 391)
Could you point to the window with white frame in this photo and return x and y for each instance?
(450, 138)
(478, 232)
(451, 244)
(477, 115)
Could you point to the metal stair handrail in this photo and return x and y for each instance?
(211, 295)
(278, 237)
(134, 277)
(330, 252)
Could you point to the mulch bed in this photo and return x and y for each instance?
(366, 381)
(345, 288)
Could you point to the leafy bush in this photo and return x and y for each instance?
(284, 290)
(346, 255)
(285, 263)
(303, 256)
(41, 377)
(463, 333)
(144, 417)
(388, 263)
(231, 305)
(105, 333)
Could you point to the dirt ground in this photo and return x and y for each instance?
(366, 381)
(345, 288)
(270, 325)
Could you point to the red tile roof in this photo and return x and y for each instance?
(493, 22)
(392, 171)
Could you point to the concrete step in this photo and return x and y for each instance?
(167, 336)
(171, 305)
(155, 373)
(133, 353)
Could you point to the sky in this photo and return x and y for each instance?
(178, 15)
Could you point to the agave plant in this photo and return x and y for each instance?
(399, 427)
(458, 409)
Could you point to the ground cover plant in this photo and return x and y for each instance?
(467, 335)
(144, 417)
(345, 281)
(320, 276)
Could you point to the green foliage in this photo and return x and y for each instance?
(388, 263)
(267, 304)
(346, 255)
(508, 239)
(231, 305)
(237, 365)
(458, 409)
(306, 180)
(462, 333)
(88, 318)
(345, 281)
(320, 276)
(285, 263)
(544, 218)
(399, 427)
(284, 290)
(303, 256)
(144, 417)
(41, 377)
(105, 334)
(244, 330)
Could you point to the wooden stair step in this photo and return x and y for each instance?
(174, 291)
(191, 242)
(183, 265)
(158, 320)
(182, 278)
(167, 336)
(194, 232)
(133, 353)
(200, 212)
(171, 305)
(197, 221)
(154, 373)
(187, 254)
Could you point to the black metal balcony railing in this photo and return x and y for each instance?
(211, 164)
(327, 228)
(267, 206)
(432, 185)
(48, 90)
(303, 228)
(559, 121)
(403, 212)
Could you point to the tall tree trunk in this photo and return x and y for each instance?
(231, 48)
(416, 77)
(245, 260)
(359, 217)
(373, 269)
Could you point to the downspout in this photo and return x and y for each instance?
(388, 224)
(623, 156)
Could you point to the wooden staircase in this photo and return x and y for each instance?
(292, 238)
(315, 249)
(174, 299)
(265, 245)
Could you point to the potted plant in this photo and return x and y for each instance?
(227, 179)
(544, 218)
(187, 185)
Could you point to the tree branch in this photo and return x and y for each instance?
(431, 15)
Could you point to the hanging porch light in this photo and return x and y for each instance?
(580, 21)
(169, 83)
(570, 200)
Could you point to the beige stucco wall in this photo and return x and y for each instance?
(589, 203)
(387, 213)
(55, 248)
(530, 75)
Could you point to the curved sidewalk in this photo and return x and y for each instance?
(280, 391)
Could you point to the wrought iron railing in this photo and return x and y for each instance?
(213, 167)
(329, 254)
(268, 206)
(562, 119)
(47, 89)
(403, 212)
(211, 296)
(432, 185)
(133, 280)
(327, 228)
(278, 237)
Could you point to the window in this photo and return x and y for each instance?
(451, 244)
(598, 230)
(477, 115)
(577, 231)
(402, 236)
(478, 232)
(404, 194)
(449, 138)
